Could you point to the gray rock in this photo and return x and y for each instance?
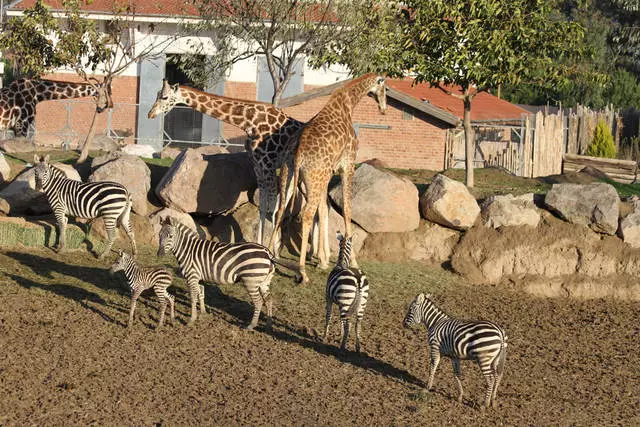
(500, 211)
(381, 201)
(140, 150)
(205, 183)
(5, 169)
(629, 230)
(594, 205)
(130, 171)
(449, 203)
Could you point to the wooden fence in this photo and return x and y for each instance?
(620, 170)
(545, 138)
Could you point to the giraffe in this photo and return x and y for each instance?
(18, 100)
(327, 142)
(270, 133)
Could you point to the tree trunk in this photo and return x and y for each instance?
(87, 142)
(469, 146)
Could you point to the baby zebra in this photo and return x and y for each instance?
(141, 279)
(349, 289)
(482, 341)
(224, 263)
(91, 200)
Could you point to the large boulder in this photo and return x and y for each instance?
(5, 169)
(449, 203)
(629, 230)
(381, 201)
(430, 244)
(130, 171)
(17, 145)
(105, 143)
(203, 182)
(594, 205)
(240, 225)
(509, 210)
(20, 196)
(140, 150)
(156, 218)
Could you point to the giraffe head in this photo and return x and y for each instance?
(379, 91)
(167, 98)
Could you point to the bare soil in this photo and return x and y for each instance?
(66, 356)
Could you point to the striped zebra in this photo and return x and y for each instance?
(140, 279)
(223, 263)
(90, 200)
(482, 341)
(348, 288)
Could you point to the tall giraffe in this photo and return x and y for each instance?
(270, 133)
(18, 100)
(328, 142)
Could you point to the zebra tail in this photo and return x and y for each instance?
(127, 209)
(285, 263)
(357, 300)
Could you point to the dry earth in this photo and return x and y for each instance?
(66, 357)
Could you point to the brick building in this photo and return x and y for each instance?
(414, 133)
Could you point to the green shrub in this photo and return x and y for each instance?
(602, 144)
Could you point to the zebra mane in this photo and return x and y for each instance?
(183, 229)
(57, 172)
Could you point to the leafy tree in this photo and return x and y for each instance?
(623, 90)
(97, 57)
(284, 31)
(480, 44)
(602, 144)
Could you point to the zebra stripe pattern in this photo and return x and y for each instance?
(223, 263)
(482, 341)
(348, 288)
(141, 279)
(89, 200)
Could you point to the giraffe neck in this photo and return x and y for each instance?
(349, 96)
(255, 118)
(46, 90)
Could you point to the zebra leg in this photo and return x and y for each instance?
(203, 310)
(171, 307)
(194, 294)
(489, 375)
(268, 302)
(110, 226)
(435, 360)
(163, 298)
(61, 223)
(327, 319)
(345, 333)
(456, 373)
(499, 370)
(134, 299)
(254, 293)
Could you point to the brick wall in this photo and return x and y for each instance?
(414, 141)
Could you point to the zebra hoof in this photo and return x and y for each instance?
(249, 328)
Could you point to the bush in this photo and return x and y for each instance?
(602, 144)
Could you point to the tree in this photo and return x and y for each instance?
(482, 44)
(97, 57)
(284, 31)
(602, 144)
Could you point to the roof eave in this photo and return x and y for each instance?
(426, 108)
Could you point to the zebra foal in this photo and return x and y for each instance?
(482, 341)
(348, 288)
(141, 279)
(89, 200)
(223, 263)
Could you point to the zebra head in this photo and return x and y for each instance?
(42, 171)
(416, 312)
(167, 98)
(121, 262)
(345, 244)
(167, 236)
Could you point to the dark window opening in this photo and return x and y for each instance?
(182, 123)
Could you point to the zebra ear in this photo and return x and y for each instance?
(46, 158)
(420, 298)
(339, 236)
(169, 220)
(36, 158)
(120, 253)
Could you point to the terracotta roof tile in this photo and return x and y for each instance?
(142, 7)
(483, 107)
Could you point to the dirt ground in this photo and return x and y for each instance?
(67, 358)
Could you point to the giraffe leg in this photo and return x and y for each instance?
(323, 243)
(347, 178)
(456, 373)
(285, 183)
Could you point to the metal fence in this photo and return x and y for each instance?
(65, 123)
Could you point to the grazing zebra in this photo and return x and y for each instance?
(223, 263)
(91, 200)
(482, 341)
(349, 289)
(141, 279)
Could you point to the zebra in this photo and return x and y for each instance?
(482, 341)
(141, 279)
(223, 263)
(347, 287)
(91, 200)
